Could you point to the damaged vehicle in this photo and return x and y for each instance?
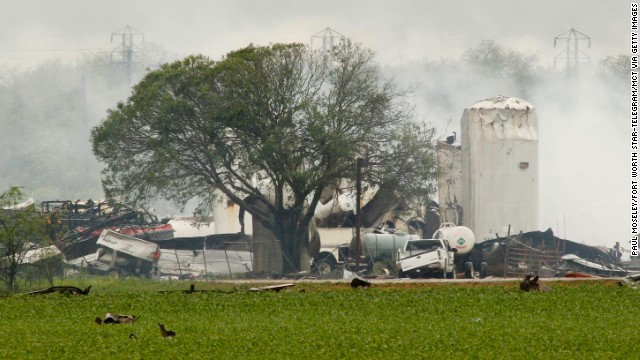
(426, 258)
(123, 254)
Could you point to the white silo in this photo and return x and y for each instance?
(499, 167)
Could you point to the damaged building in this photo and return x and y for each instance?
(489, 183)
(186, 247)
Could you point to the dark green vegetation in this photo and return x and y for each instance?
(20, 231)
(330, 321)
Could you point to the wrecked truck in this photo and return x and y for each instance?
(379, 250)
(123, 254)
(426, 258)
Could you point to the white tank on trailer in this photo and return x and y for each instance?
(381, 245)
(459, 237)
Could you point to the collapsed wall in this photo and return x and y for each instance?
(499, 167)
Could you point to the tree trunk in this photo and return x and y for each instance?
(291, 246)
(267, 256)
(295, 243)
(12, 274)
(267, 253)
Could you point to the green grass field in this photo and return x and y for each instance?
(325, 321)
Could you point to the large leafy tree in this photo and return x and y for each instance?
(269, 127)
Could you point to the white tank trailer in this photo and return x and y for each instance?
(499, 167)
(462, 239)
(459, 237)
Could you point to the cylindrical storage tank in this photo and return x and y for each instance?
(459, 237)
(499, 167)
(382, 246)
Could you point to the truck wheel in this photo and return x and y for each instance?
(483, 270)
(401, 274)
(325, 264)
(468, 270)
(324, 268)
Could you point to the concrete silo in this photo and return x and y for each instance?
(499, 167)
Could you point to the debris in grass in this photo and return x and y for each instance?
(110, 318)
(62, 290)
(631, 280)
(167, 334)
(275, 288)
(529, 284)
(132, 336)
(359, 282)
(192, 289)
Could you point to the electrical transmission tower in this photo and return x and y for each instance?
(329, 37)
(127, 52)
(572, 53)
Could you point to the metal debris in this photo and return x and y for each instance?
(63, 290)
(192, 289)
(275, 288)
(110, 318)
(631, 280)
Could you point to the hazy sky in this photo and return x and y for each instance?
(591, 195)
(397, 30)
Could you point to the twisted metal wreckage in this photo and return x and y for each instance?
(540, 252)
(103, 238)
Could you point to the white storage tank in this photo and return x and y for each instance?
(459, 237)
(499, 167)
